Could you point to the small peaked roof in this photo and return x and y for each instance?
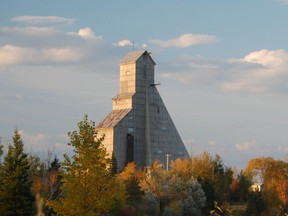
(134, 56)
(123, 95)
(113, 118)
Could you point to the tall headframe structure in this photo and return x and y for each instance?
(139, 128)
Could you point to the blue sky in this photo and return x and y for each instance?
(222, 65)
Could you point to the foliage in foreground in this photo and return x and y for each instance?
(87, 183)
(273, 174)
(165, 192)
(88, 187)
(16, 196)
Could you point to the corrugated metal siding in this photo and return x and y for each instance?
(113, 118)
(132, 56)
(124, 95)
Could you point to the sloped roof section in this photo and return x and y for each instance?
(134, 56)
(123, 95)
(113, 118)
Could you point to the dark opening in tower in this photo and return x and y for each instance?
(130, 148)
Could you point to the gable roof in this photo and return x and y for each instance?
(113, 118)
(134, 56)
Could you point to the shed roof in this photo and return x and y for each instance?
(113, 118)
(134, 56)
(123, 95)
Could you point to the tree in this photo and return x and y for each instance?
(190, 193)
(88, 187)
(1, 151)
(214, 177)
(16, 197)
(159, 183)
(239, 188)
(46, 181)
(114, 166)
(255, 204)
(131, 178)
(177, 192)
(273, 174)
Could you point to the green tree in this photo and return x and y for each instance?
(214, 177)
(114, 166)
(16, 197)
(88, 187)
(239, 188)
(255, 204)
(131, 178)
(1, 151)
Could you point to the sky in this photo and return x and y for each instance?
(222, 65)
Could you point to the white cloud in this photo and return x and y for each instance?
(123, 43)
(259, 72)
(43, 19)
(185, 40)
(268, 58)
(247, 86)
(245, 146)
(41, 143)
(85, 33)
(30, 31)
(263, 71)
(10, 54)
(194, 70)
(33, 139)
(61, 54)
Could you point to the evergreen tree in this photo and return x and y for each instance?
(16, 197)
(256, 204)
(114, 167)
(88, 187)
(131, 178)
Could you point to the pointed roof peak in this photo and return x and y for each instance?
(134, 56)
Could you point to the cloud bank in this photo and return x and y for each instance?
(259, 72)
(184, 40)
(11, 55)
(86, 33)
(43, 19)
(245, 146)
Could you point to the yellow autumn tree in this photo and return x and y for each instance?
(88, 186)
(274, 176)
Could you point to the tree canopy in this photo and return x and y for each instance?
(88, 186)
(16, 197)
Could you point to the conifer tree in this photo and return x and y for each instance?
(88, 186)
(114, 166)
(16, 197)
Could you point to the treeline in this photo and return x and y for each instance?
(87, 183)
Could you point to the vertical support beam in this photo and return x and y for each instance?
(147, 131)
(147, 116)
(167, 161)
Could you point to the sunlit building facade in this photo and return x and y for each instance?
(139, 128)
